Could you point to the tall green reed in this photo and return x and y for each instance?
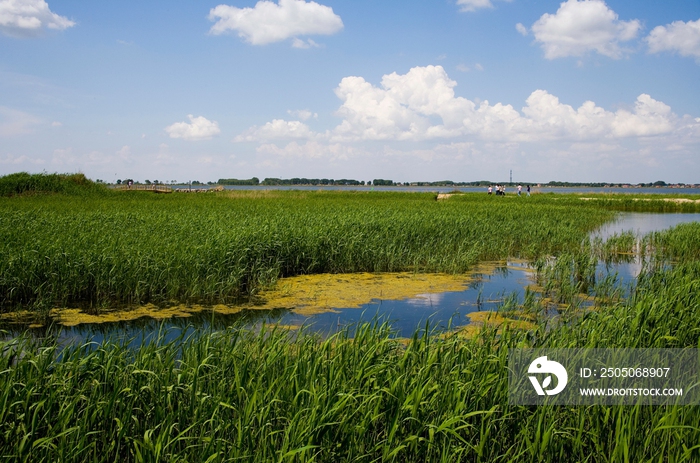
(134, 248)
(267, 395)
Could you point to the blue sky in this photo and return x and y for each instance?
(459, 89)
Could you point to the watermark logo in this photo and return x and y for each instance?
(601, 376)
(549, 367)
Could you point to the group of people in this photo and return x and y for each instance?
(501, 190)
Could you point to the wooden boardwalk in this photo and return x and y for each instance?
(153, 188)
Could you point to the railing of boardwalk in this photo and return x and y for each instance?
(155, 188)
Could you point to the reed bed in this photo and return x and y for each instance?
(268, 395)
(575, 275)
(22, 183)
(135, 248)
(628, 202)
(681, 243)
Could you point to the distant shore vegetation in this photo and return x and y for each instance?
(21, 183)
(386, 182)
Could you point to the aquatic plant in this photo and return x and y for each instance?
(268, 395)
(22, 183)
(136, 247)
(681, 243)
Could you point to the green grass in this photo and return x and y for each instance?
(23, 183)
(268, 395)
(625, 202)
(680, 243)
(131, 248)
(241, 395)
(574, 273)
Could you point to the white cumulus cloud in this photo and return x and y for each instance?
(650, 117)
(582, 26)
(28, 18)
(549, 118)
(422, 105)
(199, 128)
(401, 108)
(681, 37)
(269, 22)
(522, 30)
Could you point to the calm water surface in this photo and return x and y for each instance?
(640, 224)
(486, 292)
(441, 309)
(446, 189)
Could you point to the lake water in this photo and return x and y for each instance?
(489, 291)
(486, 292)
(640, 224)
(643, 223)
(446, 189)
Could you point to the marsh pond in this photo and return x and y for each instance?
(326, 303)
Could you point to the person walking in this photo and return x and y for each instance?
(520, 189)
(490, 189)
(528, 190)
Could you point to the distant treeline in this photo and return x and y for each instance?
(604, 184)
(235, 181)
(310, 181)
(384, 182)
(451, 183)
